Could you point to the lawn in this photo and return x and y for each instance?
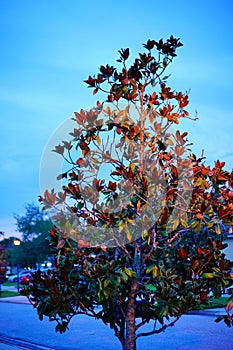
(8, 293)
(221, 302)
(10, 284)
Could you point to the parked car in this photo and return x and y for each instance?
(25, 279)
(14, 278)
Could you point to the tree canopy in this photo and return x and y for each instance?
(143, 238)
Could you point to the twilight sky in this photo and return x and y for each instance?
(49, 47)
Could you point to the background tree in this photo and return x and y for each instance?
(176, 263)
(34, 226)
(33, 223)
(8, 245)
(3, 261)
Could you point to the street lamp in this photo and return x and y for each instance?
(17, 244)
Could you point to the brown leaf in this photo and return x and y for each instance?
(61, 243)
(229, 306)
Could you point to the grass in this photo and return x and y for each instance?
(8, 293)
(221, 302)
(7, 284)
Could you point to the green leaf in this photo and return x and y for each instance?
(154, 269)
(197, 228)
(175, 224)
(218, 230)
(150, 287)
(144, 235)
(165, 63)
(165, 234)
(128, 233)
(150, 268)
(208, 275)
(124, 276)
(130, 273)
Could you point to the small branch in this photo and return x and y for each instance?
(140, 324)
(156, 331)
(124, 249)
(93, 314)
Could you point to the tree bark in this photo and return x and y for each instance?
(130, 338)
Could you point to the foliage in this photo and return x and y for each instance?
(3, 260)
(176, 262)
(33, 224)
(34, 247)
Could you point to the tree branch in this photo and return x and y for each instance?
(156, 331)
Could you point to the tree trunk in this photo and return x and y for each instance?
(130, 341)
(130, 338)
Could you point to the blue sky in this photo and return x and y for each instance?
(49, 47)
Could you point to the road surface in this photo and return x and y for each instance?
(21, 329)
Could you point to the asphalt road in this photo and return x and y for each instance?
(21, 329)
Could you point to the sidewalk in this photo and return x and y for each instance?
(16, 300)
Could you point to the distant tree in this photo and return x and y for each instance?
(34, 227)
(12, 256)
(145, 242)
(3, 260)
(33, 223)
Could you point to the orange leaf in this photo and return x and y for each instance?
(151, 117)
(219, 164)
(229, 306)
(79, 161)
(170, 142)
(82, 243)
(179, 151)
(85, 151)
(199, 216)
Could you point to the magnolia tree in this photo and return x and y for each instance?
(140, 220)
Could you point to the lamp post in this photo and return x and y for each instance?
(17, 244)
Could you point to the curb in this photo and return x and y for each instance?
(215, 312)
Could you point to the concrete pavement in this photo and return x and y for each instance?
(15, 300)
